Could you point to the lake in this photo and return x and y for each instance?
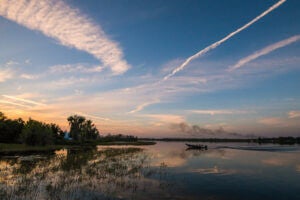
(166, 170)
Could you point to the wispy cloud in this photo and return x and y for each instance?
(217, 112)
(69, 81)
(273, 121)
(216, 44)
(93, 116)
(264, 51)
(143, 105)
(11, 63)
(24, 100)
(166, 118)
(13, 103)
(294, 114)
(29, 76)
(67, 25)
(290, 121)
(69, 68)
(6, 74)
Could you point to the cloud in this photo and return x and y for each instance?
(29, 76)
(11, 63)
(92, 116)
(13, 103)
(273, 121)
(27, 61)
(143, 105)
(24, 100)
(264, 51)
(70, 68)
(68, 26)
(294, 114)
(72, 81)
(165, 118)
(216, 44)
(217, 112)
(6, 74)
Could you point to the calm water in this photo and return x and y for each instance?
(162, 171)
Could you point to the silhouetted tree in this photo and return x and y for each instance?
(37, 133)
(90, 131)
(10, 130)
(82, 129)
(58, 133)
(76, 124)
(2, 116)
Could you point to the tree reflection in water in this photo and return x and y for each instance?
(118, 173)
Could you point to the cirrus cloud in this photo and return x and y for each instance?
(68, 26)
(294, 114)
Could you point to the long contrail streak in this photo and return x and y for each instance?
(216, 44)
(264, 51)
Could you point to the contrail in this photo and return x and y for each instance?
(24, 100)
(264, 51)
(216, 44)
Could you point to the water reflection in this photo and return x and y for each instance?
(162, 171)
(110, 173)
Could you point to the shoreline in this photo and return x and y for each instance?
(9, 149)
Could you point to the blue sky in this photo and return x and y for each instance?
(149, 67)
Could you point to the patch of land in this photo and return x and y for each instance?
(6, 149)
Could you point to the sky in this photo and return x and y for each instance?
(151, 68)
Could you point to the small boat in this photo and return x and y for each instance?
(196, 146)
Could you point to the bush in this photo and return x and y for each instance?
(10, 130)
(37, 133)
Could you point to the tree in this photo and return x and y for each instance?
(90, 130)
(2, 116)
(82, 129)
(57, 133)
(76, 123)
(10, 130)
(37, 133)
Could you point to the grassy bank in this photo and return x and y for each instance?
(6, 149)
(136, 143)
(16, 148)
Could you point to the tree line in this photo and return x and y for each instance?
(259, 140)
(33, 132)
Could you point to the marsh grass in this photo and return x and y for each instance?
(112, 173)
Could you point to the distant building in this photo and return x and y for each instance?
(67, 136)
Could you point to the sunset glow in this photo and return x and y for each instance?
(148, 67)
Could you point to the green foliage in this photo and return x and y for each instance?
(37, 133)
(82, 129)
